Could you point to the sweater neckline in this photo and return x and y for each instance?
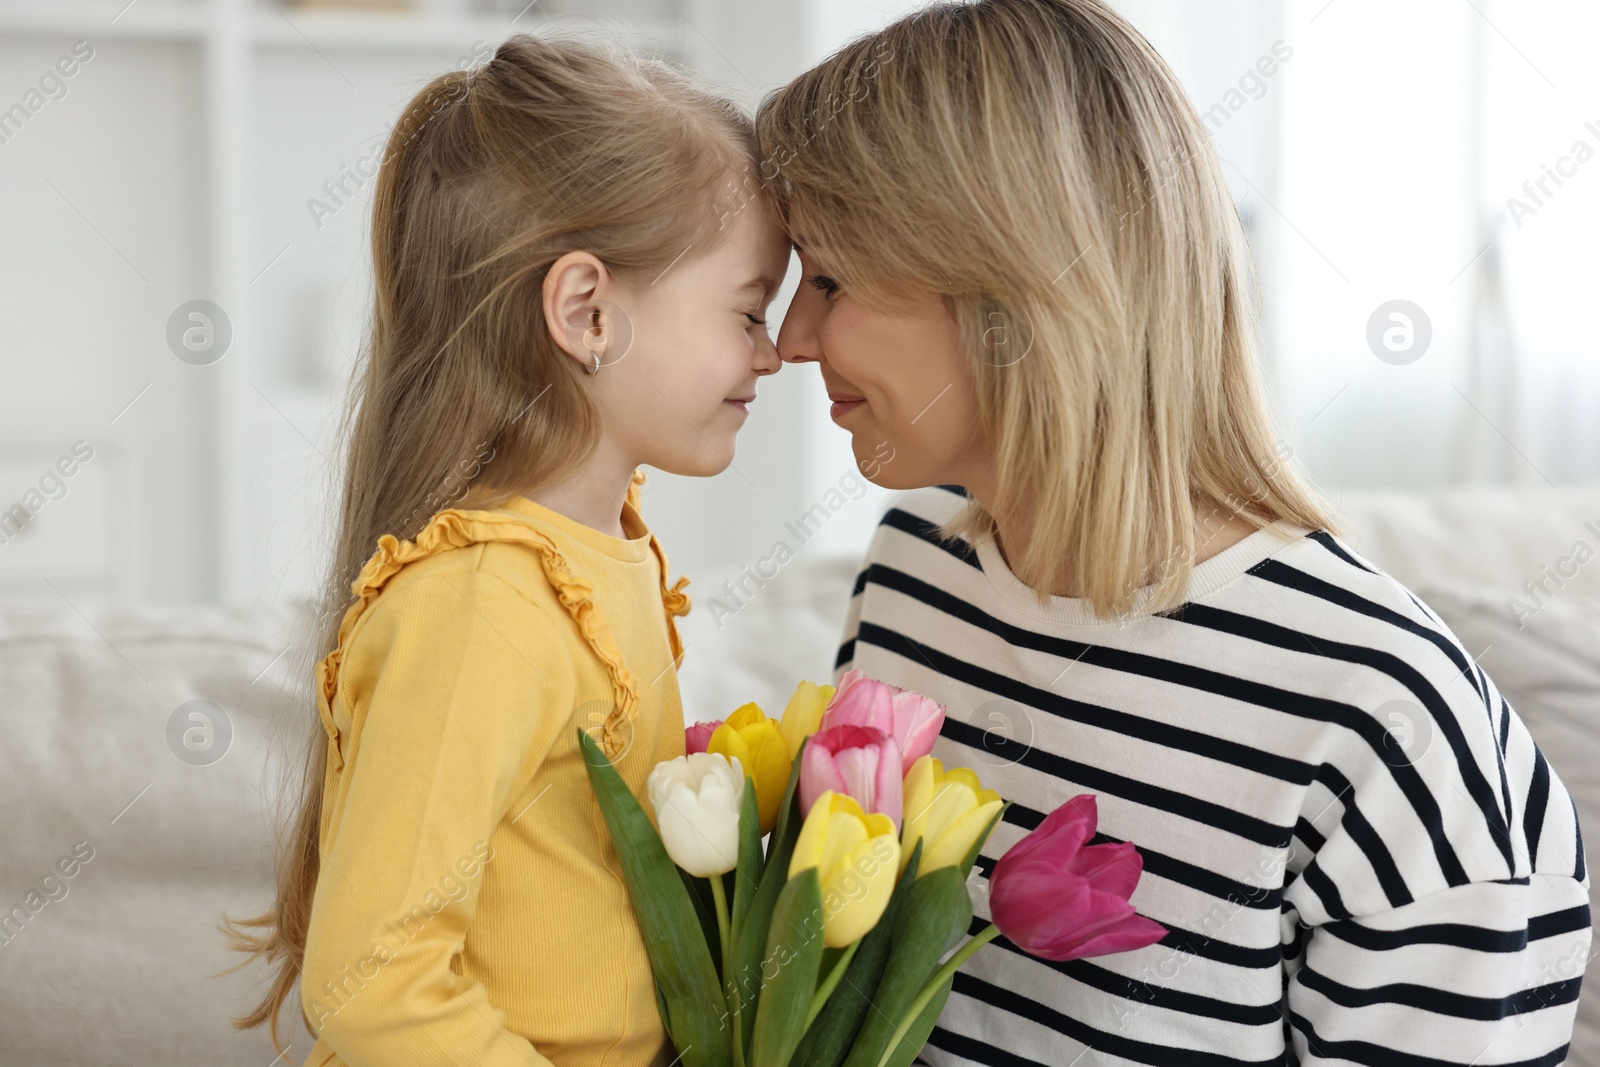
(635, 548)
(1205, 578)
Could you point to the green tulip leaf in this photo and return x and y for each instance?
(757, 921)
(706, 909)
(661, 1005)
(830, 1034)
(931, 921)
(793, 959)
(679, 957)
(917, 1035)
(748, 872)
(830, 959)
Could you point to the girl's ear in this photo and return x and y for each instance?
(575, 293)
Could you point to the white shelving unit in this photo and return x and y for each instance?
(180, 166)
(283, 97)
(355, 27)
(191, 146)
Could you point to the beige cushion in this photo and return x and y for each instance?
(1498, 536)
(115, 969)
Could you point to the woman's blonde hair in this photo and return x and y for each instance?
(1037, 164)
(463, 398)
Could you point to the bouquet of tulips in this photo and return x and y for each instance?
(861, 890)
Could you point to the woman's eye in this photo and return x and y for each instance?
(823, 283)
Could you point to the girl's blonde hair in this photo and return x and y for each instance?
(1037, 164)
(463, 398)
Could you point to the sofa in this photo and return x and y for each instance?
(147, 746)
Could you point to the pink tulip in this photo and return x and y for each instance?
(698, 736)
(910, 718)
(856, 760)
(1058, 899)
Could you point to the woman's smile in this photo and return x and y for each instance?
(844, 403)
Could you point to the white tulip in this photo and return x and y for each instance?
(697, 799)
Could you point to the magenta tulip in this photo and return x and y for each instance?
(1058, 898)
(910, 718)
(698, 736)
(856, 760)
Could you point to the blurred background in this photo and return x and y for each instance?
(184, 197)
(1436, 153)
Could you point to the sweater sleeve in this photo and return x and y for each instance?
(457, 685)
(1443, 916)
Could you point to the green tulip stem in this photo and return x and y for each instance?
(825, 990)
(951, 965)
(736, 1039)
(719, 896)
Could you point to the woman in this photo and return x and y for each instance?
(1025, 283)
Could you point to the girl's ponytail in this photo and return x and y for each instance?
(461, 397)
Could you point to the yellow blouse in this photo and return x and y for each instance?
(469, 908)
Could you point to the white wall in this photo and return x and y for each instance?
(100, 208)
(179, 162)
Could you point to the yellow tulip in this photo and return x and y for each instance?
(753, 739)
(857, 859)
(803, 712)
(946, 811)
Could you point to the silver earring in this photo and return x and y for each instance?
(596, 368)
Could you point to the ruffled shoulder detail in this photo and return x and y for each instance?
(455, 528)
(673, 598)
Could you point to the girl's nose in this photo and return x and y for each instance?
(767, 360)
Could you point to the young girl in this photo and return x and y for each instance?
(1025, 281)
(570, 282)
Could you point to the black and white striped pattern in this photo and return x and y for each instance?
(1358, 851)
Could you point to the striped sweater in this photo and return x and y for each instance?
(1358, 851)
